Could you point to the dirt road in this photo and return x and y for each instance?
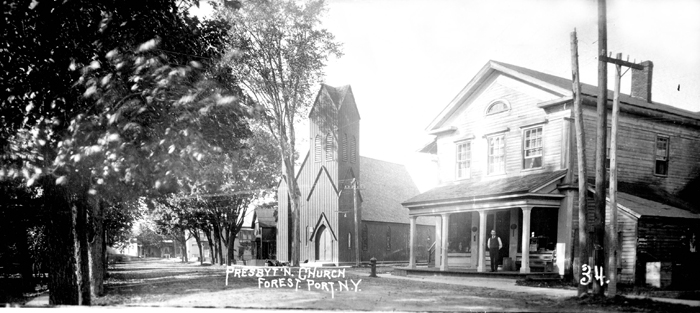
(172, 284)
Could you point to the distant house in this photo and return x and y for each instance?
(243, 242)
(327, 202)
(265, 229)
(506, 154)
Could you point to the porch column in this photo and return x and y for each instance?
(412, 243)
(482, 242)
(474, 240)
(525, 263)
(513, 246)
(438, 242)
(445, 244)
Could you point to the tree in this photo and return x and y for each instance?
(85, 109)
(278, 51)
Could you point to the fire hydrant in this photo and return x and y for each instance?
(373, 263)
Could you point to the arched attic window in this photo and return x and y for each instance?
(329, 147)
(317, 149)
(497, 106)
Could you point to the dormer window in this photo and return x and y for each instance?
(497, 106)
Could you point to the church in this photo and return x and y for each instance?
(334, 180)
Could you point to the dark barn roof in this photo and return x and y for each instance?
(384, 186)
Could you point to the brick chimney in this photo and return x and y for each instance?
(641, 81)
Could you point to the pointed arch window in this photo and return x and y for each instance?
(344, 147)
(497, 106)
(353, 150)
(329, 147)
(317, 149)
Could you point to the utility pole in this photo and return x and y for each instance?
(354, 185)
(357, 224)
(599, 211)
(581, 158)
(611, 231)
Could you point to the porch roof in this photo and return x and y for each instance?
(474, 189)
(639, 207)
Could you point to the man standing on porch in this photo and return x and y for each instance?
(494, 245)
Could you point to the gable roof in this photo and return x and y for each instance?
(337, 95)
(384, 186)
(470, 189)
(556, 85)
(266, 217)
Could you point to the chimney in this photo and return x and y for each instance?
(641, 81)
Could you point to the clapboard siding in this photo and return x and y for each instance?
(472, 121)
(636, 150)
(627, 243)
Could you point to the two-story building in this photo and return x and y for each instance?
(506, 151)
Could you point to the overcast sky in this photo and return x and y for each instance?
(406, 59)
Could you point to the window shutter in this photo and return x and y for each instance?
(329, 147)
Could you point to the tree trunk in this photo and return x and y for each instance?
(217, 242)
(199, 246)
(229, 252)
(105, 262)
(294, 196)
(96, 249)
(26, 268)
(64, 287)
(83, 231)
(211, 244)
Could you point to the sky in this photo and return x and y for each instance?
(407, 59)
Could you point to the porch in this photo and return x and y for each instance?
(528, 214)
(469, 272)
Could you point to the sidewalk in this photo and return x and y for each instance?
(509, 285)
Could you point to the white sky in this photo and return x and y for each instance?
(406, 59)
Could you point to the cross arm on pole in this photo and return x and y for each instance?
(621, 62)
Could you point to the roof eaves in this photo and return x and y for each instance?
(473, 83)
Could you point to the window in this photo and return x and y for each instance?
(388, 238)
(353, 150)
(317, 149)
(329, 147)
(497, 106)
(349, 241)
(496, 155)
(344, 148)
(662, 147)
(532, 148)
(464, 159)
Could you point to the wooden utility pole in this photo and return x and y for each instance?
(581, 157)
(611, 231)
(602, 112)
(357, 223)
(354, 185)
(611, 238)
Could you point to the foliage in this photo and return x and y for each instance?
(277, 51)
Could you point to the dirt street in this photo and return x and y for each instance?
(173, 284)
